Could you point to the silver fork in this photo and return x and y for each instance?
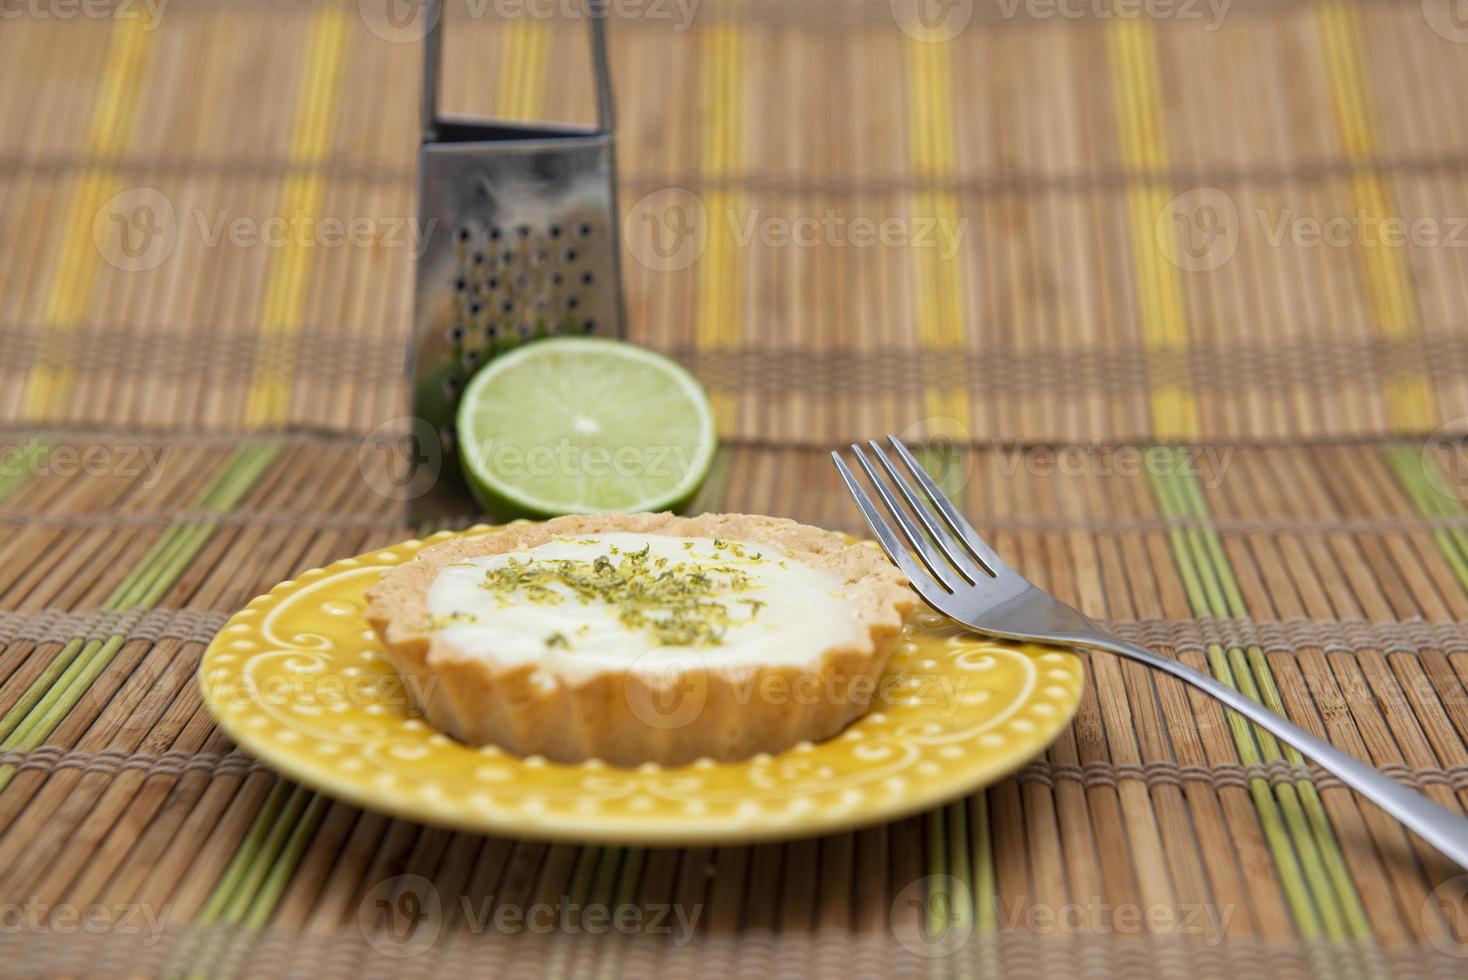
(959, 575)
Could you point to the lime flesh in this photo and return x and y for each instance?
(583, 425)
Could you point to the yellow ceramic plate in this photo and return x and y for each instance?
(298, 678)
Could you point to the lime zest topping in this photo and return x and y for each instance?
(679, 603)
(435, 623)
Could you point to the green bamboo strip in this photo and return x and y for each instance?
(960, 867)
(587, 861)
(1273, 822)
(273, 887)
(961, 917)
(71, 674)
(1257, 671)
(239, 867)
(578, 891)
(32, 695)
(34, 454)
(603, 890)
(48, 699)
(230, 882)
(64, 666)
(628, 880)
(49, 703)
(298, 825)
(1411, 467)
(986, 887)
(254, 875)
(62, 662)
(936, 908)
(288, 824)
(60, 698)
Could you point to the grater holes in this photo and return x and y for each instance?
(518, 281)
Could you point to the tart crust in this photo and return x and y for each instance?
(629, 717)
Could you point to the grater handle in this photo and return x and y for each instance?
(596, 15)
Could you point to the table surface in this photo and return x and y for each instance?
(1102, 233)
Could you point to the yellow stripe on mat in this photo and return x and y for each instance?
(521, 92)
(72, 288)
(301, 197)
(1132, 49)
(722, 87)
(939, 276)
(1388, 289)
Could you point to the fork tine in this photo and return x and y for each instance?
(952, 549)
(914, 535)
(886, 537)
(955, 521)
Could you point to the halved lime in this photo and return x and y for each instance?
(584, 425)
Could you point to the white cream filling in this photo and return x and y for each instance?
(788, 613)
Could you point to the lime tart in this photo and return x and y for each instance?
(643, 638)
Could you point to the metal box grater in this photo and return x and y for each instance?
(521, 232)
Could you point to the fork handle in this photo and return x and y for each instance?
(1443, 829)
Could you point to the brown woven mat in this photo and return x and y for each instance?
(1107, 231)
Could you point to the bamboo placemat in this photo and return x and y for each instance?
(1218, 448)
